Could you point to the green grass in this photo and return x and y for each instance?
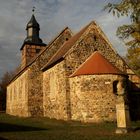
(15, 128)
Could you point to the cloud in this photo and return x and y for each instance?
(53, 16)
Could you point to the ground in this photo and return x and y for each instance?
(15, 128)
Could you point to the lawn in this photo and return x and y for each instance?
(15, 128)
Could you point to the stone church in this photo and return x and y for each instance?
(73, 77)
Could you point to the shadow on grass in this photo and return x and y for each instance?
(3, 138)
(5, 127)
(136, 129)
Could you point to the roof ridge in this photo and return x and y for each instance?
(105, 37)
(34, 58)
(84, 28)
(59, 35)
(52, 60)
(49, 45)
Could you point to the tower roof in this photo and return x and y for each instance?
(33, 34)
(33, 23)
(96, 64)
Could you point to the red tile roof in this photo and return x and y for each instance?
(96, 64)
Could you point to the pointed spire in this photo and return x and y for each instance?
(33, 30)
(33, 22)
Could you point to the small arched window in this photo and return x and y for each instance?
(95, 38)
(115, 86)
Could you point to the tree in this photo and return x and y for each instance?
(3, 86)
(129, 33)
(133, 57)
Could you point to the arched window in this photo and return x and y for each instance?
(115, 86)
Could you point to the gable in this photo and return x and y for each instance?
(44, 56)
(91, 40)
(64, 48)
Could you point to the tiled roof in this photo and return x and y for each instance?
(96, 64)
(65, 48)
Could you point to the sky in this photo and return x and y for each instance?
(53, 16)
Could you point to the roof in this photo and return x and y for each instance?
(37, 56)
(96, 64)
(32, 23)
(65, 48)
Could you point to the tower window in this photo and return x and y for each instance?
(37, 50)
(95, 38)
(30, 32)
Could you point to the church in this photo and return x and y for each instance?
(73, 77)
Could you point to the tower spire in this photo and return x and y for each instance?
(33, 30)
(33, 44)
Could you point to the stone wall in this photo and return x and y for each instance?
(94, 39)
(28, 52)
(51, 93)
(17, 96)
(54, 92)
(36, 75)
(91, 40)
(92, 98)
(34, 79)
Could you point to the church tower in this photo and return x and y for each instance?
(32, 44)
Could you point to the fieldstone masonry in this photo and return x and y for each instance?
(54, 92)
(50, 91)
(17, 96)
(34, 79)
(87, 44)
(92, 98)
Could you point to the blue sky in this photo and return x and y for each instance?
(53, 16)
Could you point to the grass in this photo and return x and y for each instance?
(15, 128)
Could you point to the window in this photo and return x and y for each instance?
(115, 86)
(30, 32)
(95, 38)
(53, 86)
(37, 50)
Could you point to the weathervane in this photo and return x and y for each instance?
(33, 10)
